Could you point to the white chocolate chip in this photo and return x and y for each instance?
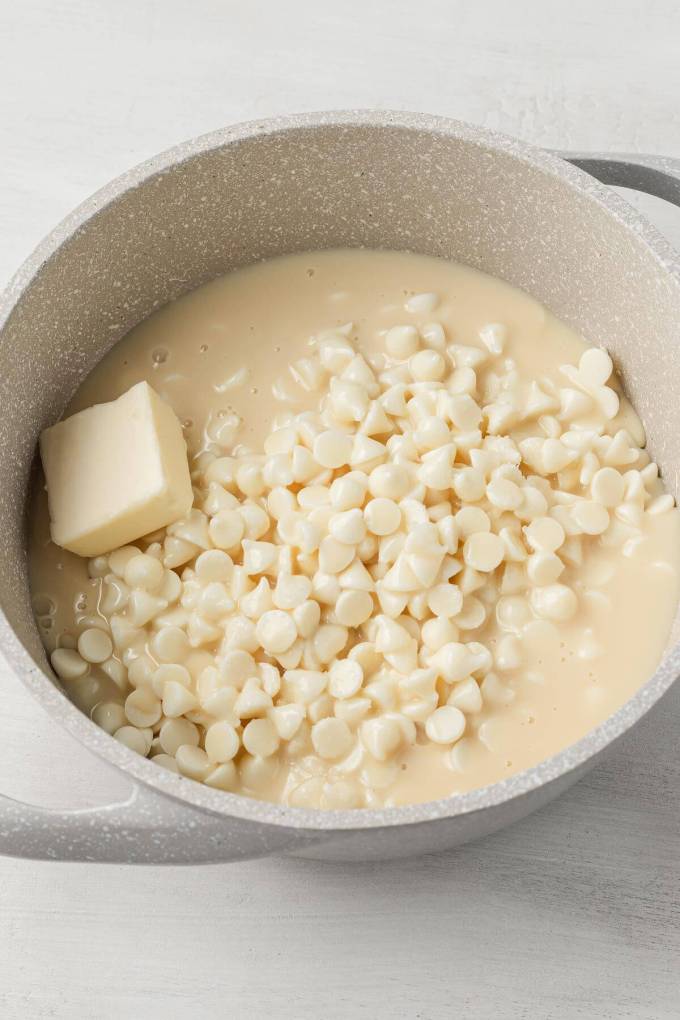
(345, 678)
(390, 481)
(381, 737)
(493, 337)
(554, 602)
(445, 725)
(137, 740)
(484, 551)
(353, 608)
(607, 487)
(110, 715)
(402, 342)
(142, 708)
(348, 526)
(445, 600)
(332, 738)
(95, 645)
(276, 631)
(592, 518)
(544, 534)
(193, 762)
(332, 449)
(422, 303)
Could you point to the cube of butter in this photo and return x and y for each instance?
(115, 472)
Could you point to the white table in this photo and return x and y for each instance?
(572, 913)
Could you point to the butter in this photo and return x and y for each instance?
(115, 472)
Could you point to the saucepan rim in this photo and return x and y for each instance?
(195, 795)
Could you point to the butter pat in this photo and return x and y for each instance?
(115, 472)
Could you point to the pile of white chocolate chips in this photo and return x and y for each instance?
(354, 588)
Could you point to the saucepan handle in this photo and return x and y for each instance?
(655, 175)
(144, 828)
(143, 825)
(113, 833)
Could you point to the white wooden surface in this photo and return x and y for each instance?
(573, 913)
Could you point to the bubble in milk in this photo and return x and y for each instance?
(43, 605)
(159, 356)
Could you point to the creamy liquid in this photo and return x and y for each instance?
(256, 322)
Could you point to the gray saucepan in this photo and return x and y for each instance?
(373, 179)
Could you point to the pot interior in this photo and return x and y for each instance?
(431, 187)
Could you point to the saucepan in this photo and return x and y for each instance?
(379, 180)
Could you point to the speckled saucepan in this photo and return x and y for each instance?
(374, 179)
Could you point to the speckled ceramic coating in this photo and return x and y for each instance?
(401, 181)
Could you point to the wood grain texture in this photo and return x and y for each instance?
(574, 913)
